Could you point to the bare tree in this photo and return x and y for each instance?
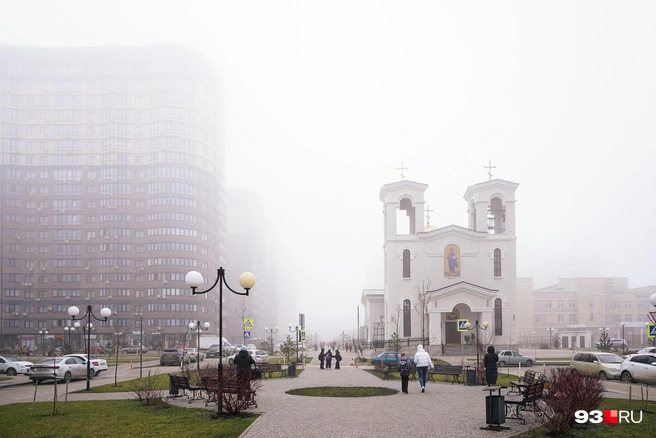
(241, 313)
(421, 307)
(117, 335)
(395, 339)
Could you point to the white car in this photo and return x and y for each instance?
(97, 365)
(639, 368)
(12, 365)
(193, 353)
(605, 365)
(260, 356)
(512, 357)
(647, 350)
(60, 368)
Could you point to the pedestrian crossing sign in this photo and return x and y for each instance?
(302, 335)
(461, 325)
(651, 331)
(247, 334)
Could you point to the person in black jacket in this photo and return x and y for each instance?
(245, 364)
(338, 358)
(490, 363)
(404, 366)
(322, 356)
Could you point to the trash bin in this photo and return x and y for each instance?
(495, 409)
(291, 370)
(471, 376)
(173, 391)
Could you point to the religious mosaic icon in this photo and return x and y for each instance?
(452, 261)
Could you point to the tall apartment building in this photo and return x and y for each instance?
(112, 172)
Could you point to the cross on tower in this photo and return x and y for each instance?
(489, 168)
(428, 212)
(402, 169)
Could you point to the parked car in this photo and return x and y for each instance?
(605, 365)
(647, 350)
(193, 354)
(260, 356)
(60, 368)
(173, 356)
(615, 343)
(213, 351)
(97, 365)
(639, 368)
(388, 358)
(97, 349)
(134, 349)
(512, 357)
(12, 365)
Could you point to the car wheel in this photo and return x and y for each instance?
(529, 363)
(67, 377)
(97, 373)
(602, 375)
(11, 372)
(502, 364)
(626, 377)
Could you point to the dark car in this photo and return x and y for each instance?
(134, 349)
(388, 358)
(173, 356)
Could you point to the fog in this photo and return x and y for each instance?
(324, 101)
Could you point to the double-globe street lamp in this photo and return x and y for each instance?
(269, 332)
(43, 334)
(468, 326)
(246, 280)
(68, 331)
(550, 330)
(297, 334)
(104, 313)
(197, 327)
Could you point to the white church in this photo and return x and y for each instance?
(465, 273)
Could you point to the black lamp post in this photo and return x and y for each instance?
(68, 331)
(197, 327)
(43, 334)
(104, 313)
(140, 315)
(652, 300)
(297, 334)
(623, 341)
(246, 280)
(550, 329)
(468, 325)
(270, 333)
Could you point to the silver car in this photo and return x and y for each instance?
(512, 357)
(64, 369)
(639, 368)
(12, 365)
(605, 365)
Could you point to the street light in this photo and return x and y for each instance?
(297, 334)
(623, 341)
(652, 300)
(140, 315)
(270, 333)
(198, 328)
(246, 280)
(68, 331)
(43, 340)
(104, 313)
(550, 329)
(478, 341)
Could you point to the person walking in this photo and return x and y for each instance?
(338, 358)
(329, 358)
(404, 367)
(322, 357)
(423, 362)
(490, 363)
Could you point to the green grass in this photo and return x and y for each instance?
(626, 430)
(161, 382)
(343, 391)
(116, 418)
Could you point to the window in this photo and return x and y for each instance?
(591, 317)
(497, 262)
(548, 306)
(560, 304)
(572, 304)
(627, 304)
(561, 318)
(406, 263)
(407, 328)
(498, 321)
(572, 318)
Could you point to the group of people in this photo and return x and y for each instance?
(328, 357)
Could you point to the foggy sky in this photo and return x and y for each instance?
(324, 101)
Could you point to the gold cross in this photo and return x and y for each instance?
(402, 169)
(489, 168)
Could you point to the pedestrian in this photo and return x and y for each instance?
(490, 363)
(322, 357)
(245, 369)
(338, 358)
(423, 362)
(404, 367)
(360, 345)
(329, 358)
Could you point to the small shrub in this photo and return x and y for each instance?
(566, 392)
(235, 401)
(146, 391)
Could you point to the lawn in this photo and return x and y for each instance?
(116, 418)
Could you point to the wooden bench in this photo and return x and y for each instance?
(178, 383)
(518, 386)
(267, 369)
(516, 406)
(211, 387)
(448, 370)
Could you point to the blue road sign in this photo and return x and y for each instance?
(247, 334)
(651, 330)
(461, 325)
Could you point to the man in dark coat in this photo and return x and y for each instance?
(322, 357)
(490, 363)
(245, 364)
(338, 359)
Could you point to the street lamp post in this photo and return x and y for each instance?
(269, 332)
(296, 331)
(104, 313)
(623, 341)
(140, 315)
(468, 325)
(69, 331)
(246, 280)
(652, 300)
(197, 327)
(550, 329)
(43, 334)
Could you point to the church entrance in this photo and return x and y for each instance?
(452, 334)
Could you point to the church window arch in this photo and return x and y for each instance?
(496, 216)
(498, 320)
(407, 312)
(405, 225)
(497, 262)
(406, 263)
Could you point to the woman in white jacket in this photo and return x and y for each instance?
(423, 362)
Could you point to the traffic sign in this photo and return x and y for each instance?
(302, 335)
(651, 331)
(248, 323)
(461, 325)
(247, 334)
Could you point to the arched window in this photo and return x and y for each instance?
(406, 318)
(406, 263)
(498, 321)
(497, 262)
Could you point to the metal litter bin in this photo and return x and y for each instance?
(471, 376)
(291, 370)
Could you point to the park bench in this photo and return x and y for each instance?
(267, 369)
(526, 401)
(177, 383)
(210, 386)
(448, 370)
(518, 386)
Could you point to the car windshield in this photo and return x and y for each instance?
(610, 358)
(10, 358)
